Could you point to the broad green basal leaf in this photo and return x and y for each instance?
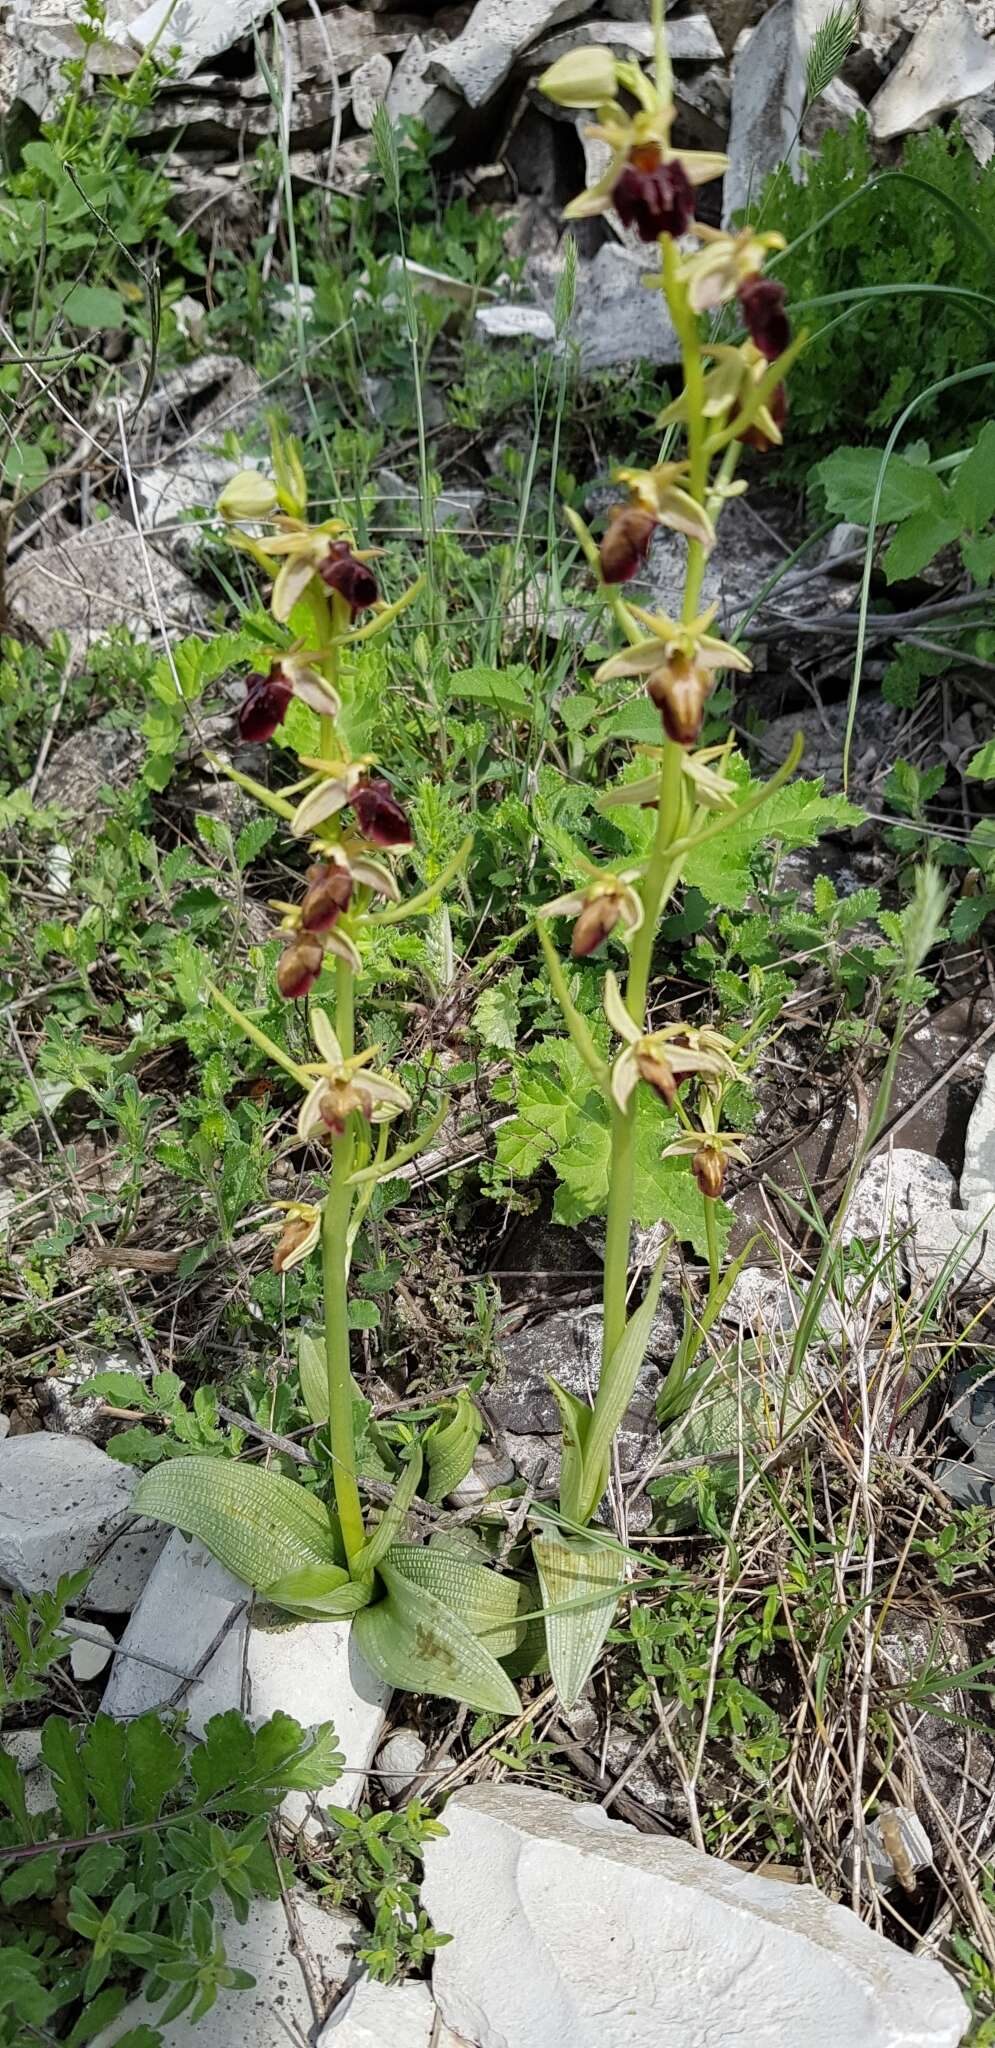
(486, 1602)
(618, 1380)
(416, 1644)
(581, 1582)
(313, 1375)
(449, 1447)
(391, 1522)
(319, 1592)
(258, 1524)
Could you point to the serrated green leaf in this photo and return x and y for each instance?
(156, 1765)
(257, 1523)
(981, 766)
(12, 1796)
(105, 1758)
(849, 479)
(497, 1012)
(916, 542)
(500, 689)
(93, 305)
(978, 557)
(581, 1584)
(416, 1644)
(487, 1602)
(60, 1753)
(449, 1447)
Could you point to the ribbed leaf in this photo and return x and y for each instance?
(319, 1592)
(576, 1418)
(260, 1525)
(417, 1645)
(391, 1522)
(449, 1447)
(313, 1375)
(618, 1382)
(580, 1580)
(487, 1603)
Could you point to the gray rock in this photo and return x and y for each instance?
(197, 29)
(370, 85)
(59, 1393)
(479, 60)
(977, 120)
(575, 1931)
(489, 1469)
(691, 39)
(415, 95)
(957, 1759)
(893, 1193)
(515, 323)
(896, 1846)
(222, 1651)
(616, 320)
(373, 2015)
(65, 1507)
(298, 1955)
(745, 554)
(400, 1761)
(567, 1347)
(947, 62)
(965, 1237)
(977, 1181)
(761, 128)
(95, 580)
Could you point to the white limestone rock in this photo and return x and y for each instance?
(691, 39)
(946, 63)
(197, 30)
(977, 1181)
(760, 130)
(965, 1236)
(893, 1192)
(299, 1959)
(574, 1931)
(369, 88)
(373, 2015)
(221, 1650)
(415, 95)
(66, 1506)
(477, 63)
(515, 323)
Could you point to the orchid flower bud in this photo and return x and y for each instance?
(583, 78)
(249, 495)
(626, 543)
(328, 895)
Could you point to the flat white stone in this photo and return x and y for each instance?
(66, 1506)
(279, 2010)
(477, 63)
(400, 1761)
(200, 28)
(946, 62)
(977, 1181)
(574, 1931)
(373, 2015)
(515, 323)
(893, 1192)
(194, 1618)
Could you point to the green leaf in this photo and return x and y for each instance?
(104, 1753)
(318, 1592)
(487, 1602)
(497, 1012)
(26, 464)
(581, 1583)
(449, 1447)
(973, 488)
(392, 1520)
(618, 1380)
(849, 479)
(60, 1752)
(969, 914)
(978, 557)
(502, 689)
(13, 1797)
(155, 1763)
(258, 1524)
(416, 1644)
(981, 766)
(918, 539)
(93, 305)
(575, 1422)
(313, 1374)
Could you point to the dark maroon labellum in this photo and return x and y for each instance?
(265, 706)
(626, 543)
(761, 302)
(299, 967)
(379, 815)
(330, 893)
(347, 577)
(653, 197)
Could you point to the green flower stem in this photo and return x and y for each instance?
(712, 1242)
(575, 1023)
(334, 1260)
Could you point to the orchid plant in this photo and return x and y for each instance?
(430, 1618)
(426, 1619)
(733, 396)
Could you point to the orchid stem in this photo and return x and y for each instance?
(334, 1259)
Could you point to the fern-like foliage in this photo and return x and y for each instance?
(830, 44)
